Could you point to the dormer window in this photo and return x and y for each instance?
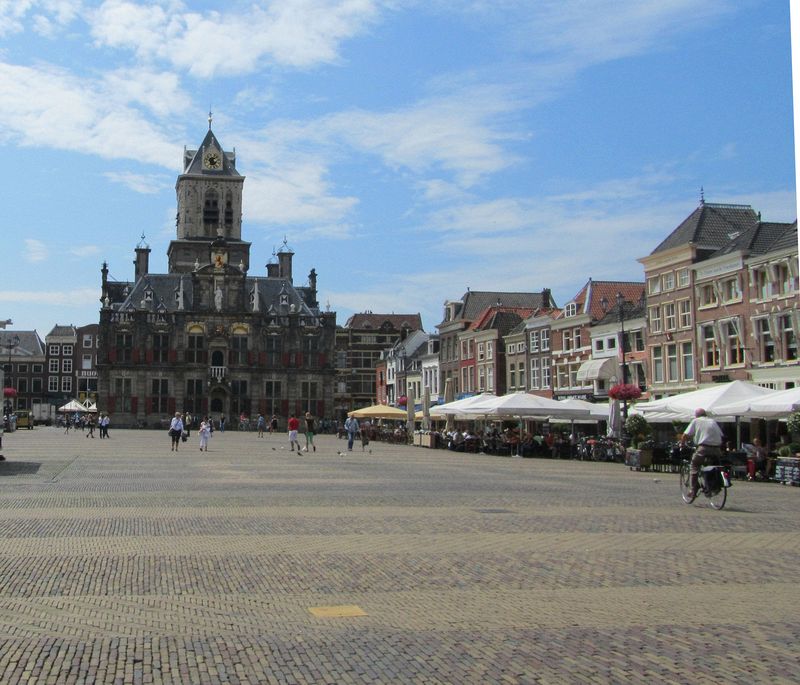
(571, 309)
(148, 295)
(284, 298)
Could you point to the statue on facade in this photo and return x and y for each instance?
(218, 299)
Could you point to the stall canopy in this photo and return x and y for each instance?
(73, 405)
(595, 369)
(379, 411)
(713, 399)
(524, 405)
(772, 406)
(456, 407)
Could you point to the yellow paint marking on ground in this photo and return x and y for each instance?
(341, 611)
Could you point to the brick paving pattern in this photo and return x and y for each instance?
(123, 562)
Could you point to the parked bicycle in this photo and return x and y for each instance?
(714, 482)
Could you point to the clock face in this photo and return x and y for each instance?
(212, 161)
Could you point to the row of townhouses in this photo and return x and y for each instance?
(718, 302)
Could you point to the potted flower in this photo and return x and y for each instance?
(625, 391)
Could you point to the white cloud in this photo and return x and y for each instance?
(75, 297)
(36, 250)
(49, 107)
(147, 185)
(296, 33)
(84, 250)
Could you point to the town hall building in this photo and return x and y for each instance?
(208, 337)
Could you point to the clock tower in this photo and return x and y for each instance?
(209, 194)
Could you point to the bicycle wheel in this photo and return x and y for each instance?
(686, 483)
(717, 499)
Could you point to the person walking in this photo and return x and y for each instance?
(293, 426)
(104, 421)
(90, 426)
(351, 428)
(310, 432)
(708, 438)
(205, 433)
(273, 424)
(222, 423)
(261, 424)
(176, 431)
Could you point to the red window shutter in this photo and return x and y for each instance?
(148, 356)
(262, 358)
(134, 404)
(204, 405)
(262, 407)
(111, 402)
(299, 360)
(135, 355)
(320, 407)
(202, 357)
(285, 407)
(148, 405)
(172, 355)
(285, 359)
(322, 359)
(112, 355)
(171, 405)
(251, 357)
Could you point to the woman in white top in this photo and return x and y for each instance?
(176, 430)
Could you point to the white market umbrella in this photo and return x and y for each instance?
(524, 405)
(774, 405)
(73, 405)
(457, 407)
(712, 399)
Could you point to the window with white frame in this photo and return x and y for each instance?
(66, 384)
(673, 374)
(86, 362)
(657, 356)
(707, 295)
(545, 373)
(512, 376)
(766, 342)
(731, 289)
(683, 278)
(545, 339)
(599, 345)
(489, 349)
(490, 378)
(54, 350)
(734, 352)
(687, 361)
(668, 280)
(708, 339)
(66, 366)
(52, 384)
(573, 375)
(566, 340)
(520, 347)
(521, 378)
(576, 338)
(685, 313)
(670, 322)
(783, 279)
(654, 285)
(788, 337)
(53, 366)
(562, 376)
(481, 353)
(534, 374)
(654, 316)
(534, 341)
(87, 340)
(66, 350)
(760, 280)
(571, 310)
(481, 379)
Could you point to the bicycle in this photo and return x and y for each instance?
(714, 482)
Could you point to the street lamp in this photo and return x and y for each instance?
(10, 344)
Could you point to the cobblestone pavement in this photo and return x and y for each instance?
(124, 562)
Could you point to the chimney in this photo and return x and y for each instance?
(272, 270)
(142, 261)
(312, 286)
(285, 263)
(546, 297)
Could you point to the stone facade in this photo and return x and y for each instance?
(207, 337)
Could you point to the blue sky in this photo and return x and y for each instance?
(408, 150)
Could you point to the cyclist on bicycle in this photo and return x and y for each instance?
(707, 436)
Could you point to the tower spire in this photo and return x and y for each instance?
(210, 119)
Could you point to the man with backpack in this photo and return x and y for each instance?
(351, 428)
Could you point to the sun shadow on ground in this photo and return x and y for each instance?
(19, 468)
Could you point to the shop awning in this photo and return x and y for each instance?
(595, 369)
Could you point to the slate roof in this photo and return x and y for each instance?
(474, 302)
(368, 320)
(711, 226)
(193, 159)
(164, 289)
(59, 331)
(30, 344)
